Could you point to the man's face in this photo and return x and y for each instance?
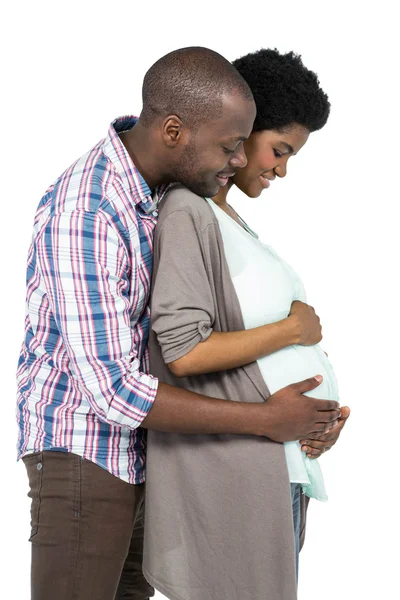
(215, 150)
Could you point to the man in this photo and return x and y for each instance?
(85, 393)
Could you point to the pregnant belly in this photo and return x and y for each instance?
(296, 363)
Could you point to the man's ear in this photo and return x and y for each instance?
(172, 131)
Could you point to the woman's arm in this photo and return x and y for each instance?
(227, 350)
(183, 311)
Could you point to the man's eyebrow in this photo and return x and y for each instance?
(237, 139)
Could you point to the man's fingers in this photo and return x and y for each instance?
(314, 453)
(330, 436)
(314, 448)
(307, 384)
(340, 424)
(328, 416)
(331, 431)
(345, 412)
(313, 445)
(317, 432)
(328, 405)
(317, 455)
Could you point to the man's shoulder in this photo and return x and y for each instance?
(180, 198)
(83, 185)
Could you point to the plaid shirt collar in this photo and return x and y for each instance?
(132, 180)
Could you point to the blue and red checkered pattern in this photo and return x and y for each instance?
(83, 380)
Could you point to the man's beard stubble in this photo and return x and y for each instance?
(185, 172)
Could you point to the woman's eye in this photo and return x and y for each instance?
(277, 153)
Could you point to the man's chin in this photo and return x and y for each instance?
(203, 190)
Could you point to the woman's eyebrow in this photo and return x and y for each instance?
(287, 147)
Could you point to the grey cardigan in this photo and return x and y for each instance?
(218, 511)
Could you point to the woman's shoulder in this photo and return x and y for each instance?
(179, 198)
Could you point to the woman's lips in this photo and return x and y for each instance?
(264, 181)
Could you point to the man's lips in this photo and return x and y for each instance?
(223, 177)
(230, 174)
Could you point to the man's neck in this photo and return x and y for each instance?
(141, 149)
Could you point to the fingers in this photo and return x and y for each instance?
(345, 412)
(319, 442)
(295, 304)
(314, 449)
(330, 426)
(321, 429)
(317, 453)
(331, 436)
(328, 416)
(313, 446)
(333, 433)
(313, 453)
(308, 384)
(327, 404)
(318, 431)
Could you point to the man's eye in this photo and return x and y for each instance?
(228, 150)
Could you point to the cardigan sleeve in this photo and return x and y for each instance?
(182, 305)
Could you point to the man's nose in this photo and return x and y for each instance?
(239, 159)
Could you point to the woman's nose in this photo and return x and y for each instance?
(281, 170)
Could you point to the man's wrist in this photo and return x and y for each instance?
(258, 420)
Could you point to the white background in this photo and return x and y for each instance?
(69, 68)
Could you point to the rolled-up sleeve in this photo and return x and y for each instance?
(85, 269)
(182, 305)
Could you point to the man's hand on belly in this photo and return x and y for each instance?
(317, 444)
(289, 414)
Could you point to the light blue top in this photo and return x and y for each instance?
(266, 286)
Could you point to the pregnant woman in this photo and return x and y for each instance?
(225, 515)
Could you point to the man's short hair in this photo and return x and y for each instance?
(190, 83)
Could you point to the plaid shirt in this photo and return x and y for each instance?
(83, 382)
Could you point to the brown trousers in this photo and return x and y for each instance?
(86, 531)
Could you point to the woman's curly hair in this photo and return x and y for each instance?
(285, 91)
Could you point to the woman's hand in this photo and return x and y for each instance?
(319, 443)
(306, 323)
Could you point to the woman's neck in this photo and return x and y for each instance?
(220, 200)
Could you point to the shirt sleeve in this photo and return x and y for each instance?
(87, 276)
(182, 305)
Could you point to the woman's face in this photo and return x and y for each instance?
(267, 154)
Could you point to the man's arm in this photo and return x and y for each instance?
(285, 416)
